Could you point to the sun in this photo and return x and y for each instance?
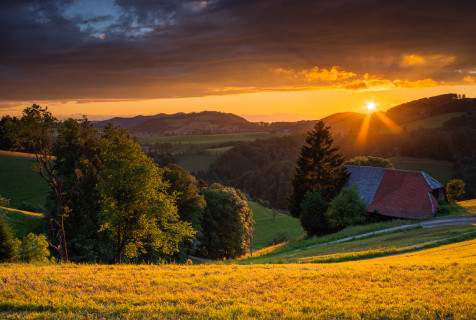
(371, 106)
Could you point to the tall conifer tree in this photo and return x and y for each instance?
(320, 167)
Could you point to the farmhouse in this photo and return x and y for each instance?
(397, 193)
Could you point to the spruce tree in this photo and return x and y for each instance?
(320, 167)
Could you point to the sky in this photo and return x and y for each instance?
(267, 60)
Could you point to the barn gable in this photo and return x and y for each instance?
(396, 193)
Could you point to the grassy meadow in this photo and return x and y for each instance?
(266, 226)
(437, 283)
(18, 181)
(432, 122)
(195, 162)
(206, 139)
(22, 222)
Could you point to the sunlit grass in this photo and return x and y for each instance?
(317, 249)
(436, 283)
(469, 205)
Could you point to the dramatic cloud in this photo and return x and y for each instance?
(126, 49)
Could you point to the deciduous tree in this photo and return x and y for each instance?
(190, 203)
(34, 133)
(78, 164)
(227, 223)
(136, 210)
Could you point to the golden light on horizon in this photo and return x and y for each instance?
(364, 130)
(370, 106)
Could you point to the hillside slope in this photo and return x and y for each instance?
(205, 122)
(19, 183)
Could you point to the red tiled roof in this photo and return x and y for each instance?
(404, 194)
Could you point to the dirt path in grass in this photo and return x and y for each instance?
(423, 224)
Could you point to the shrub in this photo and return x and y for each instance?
(346, 209)
(34, 248)
(371, 162)
(454, 189)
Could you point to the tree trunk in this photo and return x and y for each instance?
(120, 248)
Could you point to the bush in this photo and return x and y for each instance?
(346, 209)
(34, 248)
(313, 219)
(454, 189)
(371, 162)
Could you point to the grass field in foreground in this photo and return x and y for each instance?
(437, 283)
(18, 182)
(440, 170)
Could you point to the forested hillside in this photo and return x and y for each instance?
(264, 168)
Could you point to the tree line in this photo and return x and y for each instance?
(109, 202)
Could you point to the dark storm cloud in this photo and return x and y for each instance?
(153, 49)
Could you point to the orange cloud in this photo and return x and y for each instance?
(416, 60)
(469, 79)
(317, 74)
(412, 60)
(335, 78)
(334, 74)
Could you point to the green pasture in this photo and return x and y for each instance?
(218, 151)
(150, 139)
(440, 170)
(195, 162)
(268, 224)
(18, 181)
(22, 222)
(432, 122)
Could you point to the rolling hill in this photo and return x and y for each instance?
(205, 122)
(429, 112)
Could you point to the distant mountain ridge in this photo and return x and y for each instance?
(214, 122)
